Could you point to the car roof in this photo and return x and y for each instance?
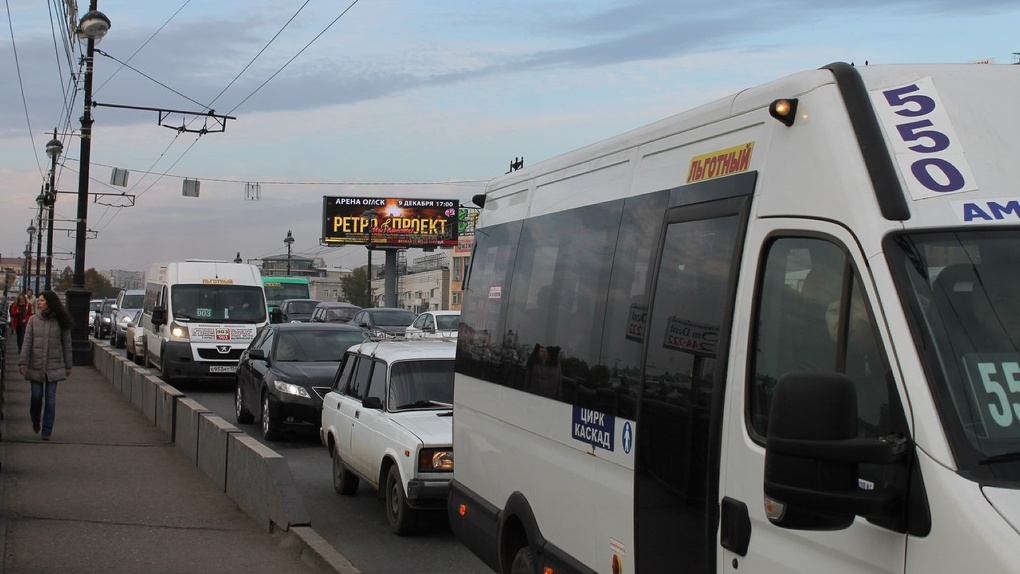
(316, 327)
(394, 351)
(336, 304)
(443, 312)
(374, 309)
(309, 300)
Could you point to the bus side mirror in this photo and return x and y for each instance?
(158, 316)
(813, 456)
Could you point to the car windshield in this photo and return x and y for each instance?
(341, 314)
(961, 289)
(315, 345)
(447, 322)
(421, 384)
(393, 318)
(301, 307)
(132, 301)
(219, 303)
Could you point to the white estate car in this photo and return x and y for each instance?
(434, 325)
(388, 421)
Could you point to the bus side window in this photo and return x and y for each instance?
(812, 316)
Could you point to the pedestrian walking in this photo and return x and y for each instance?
(21, 311)
(46, 359)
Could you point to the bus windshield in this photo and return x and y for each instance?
(280, 288)
(962, 289)
(218, 303)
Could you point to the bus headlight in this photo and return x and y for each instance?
(178, 331)
(435, 460)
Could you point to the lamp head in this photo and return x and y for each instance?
(93, 25)
(54, 148)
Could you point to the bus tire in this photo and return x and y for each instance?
(524, 562)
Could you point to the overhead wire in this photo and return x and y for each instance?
(21, 84)
(140, 48)
(270, 78)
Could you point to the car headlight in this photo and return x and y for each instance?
(178, 331)
(435, 460)
(291, 389)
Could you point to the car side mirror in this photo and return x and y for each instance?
(159, 316)
(276, 316)
(372, 403)
(257, 354)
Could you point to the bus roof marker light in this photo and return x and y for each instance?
(784, 110)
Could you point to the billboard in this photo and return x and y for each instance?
(389, 222)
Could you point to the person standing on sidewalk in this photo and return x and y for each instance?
(46, 358)
(21, 311)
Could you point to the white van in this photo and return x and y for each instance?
(777, 333)
(198, 316)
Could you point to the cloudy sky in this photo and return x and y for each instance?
(389, 98)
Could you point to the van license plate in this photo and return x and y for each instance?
(223, 368)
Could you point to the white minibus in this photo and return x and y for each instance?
(199, 315)
(778, 333)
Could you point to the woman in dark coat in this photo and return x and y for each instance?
(46, 358)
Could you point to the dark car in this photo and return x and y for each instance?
(103, 321)
(299, 310)
(334, 312)
(285, 372)
(384, 322)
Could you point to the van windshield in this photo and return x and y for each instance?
(218, 303)
(961, 289)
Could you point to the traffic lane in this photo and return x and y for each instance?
(355, 525)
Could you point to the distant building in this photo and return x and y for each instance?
(276, 266)
(125, 279)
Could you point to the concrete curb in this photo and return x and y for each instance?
(254, 476)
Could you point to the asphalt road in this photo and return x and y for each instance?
(354, 525)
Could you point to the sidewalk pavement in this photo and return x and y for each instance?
(110, 493)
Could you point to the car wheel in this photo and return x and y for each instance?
(127, 353)
(270, 426)
(244, 416)
(344, 481)
(524, 562)
(401, 517)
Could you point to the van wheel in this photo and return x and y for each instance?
(270, 426)
(401, 517)
(344, 481)
(164, 368)
(524, 562)
(244, 416)
(130, 356)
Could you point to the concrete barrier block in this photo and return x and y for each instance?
(213, 435)
(260, 482)
(188, 416)
(166, 406)
(143, 394)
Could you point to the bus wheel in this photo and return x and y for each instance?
(524, 562)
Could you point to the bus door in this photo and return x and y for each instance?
(677, 466)
(811, 309)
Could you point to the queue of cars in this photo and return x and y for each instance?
(368, 382)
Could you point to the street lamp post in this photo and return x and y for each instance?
(93, 26)
(28, 269)
(53, 149)
(40, 200)
(289, 240)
